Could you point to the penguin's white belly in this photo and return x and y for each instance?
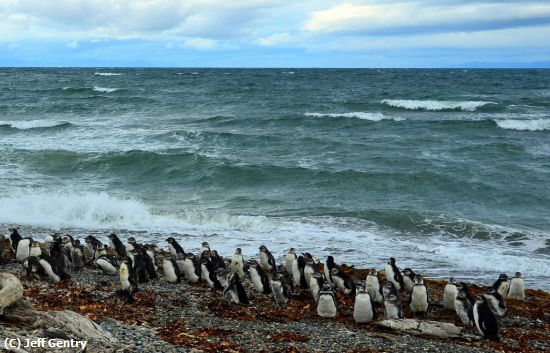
(503, 289)
(326, 306)
(494, 306)
(391, 311)
(256, 281)
(462, 313)
(339, 282)
(172, 250)
(35, 251)
(106, 266)
(449, 296)
(264, 261)
(476, 319)
(314, 287)
(517, 290)
(169, 272)
(308, 271)
(288, 262)
(362, 310)
(419, 299)
(190, 271)
(206, 275)
(296, 273)
(409, 284)
(390, 276)
(124, 276)
(48, 268)
(373, 288)
(237, 266)
(23, 250)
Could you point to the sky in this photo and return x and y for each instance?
(275, 33)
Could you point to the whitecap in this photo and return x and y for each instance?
(32, 124)
(435, 105)
(105, 89)
(358, 115)
(107, 74)
(524, 125)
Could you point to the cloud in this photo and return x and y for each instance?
(274, 39)
(73, 44)
(404, 18)
(200, 43)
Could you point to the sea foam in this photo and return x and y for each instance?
(524, 125)
(358, 115)
(105, 89)
(33, 124)
(107, 74)
(435, 105)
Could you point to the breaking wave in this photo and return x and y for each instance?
(34, 124)
(524, 125)
(105, 89)
(435, 105)
(358, 115)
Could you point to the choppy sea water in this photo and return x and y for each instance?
(446, 170)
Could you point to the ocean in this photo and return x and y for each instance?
(446, 170)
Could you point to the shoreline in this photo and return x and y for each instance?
(187, 317)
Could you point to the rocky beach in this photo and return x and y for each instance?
(195, 318)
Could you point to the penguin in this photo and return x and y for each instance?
(148, 262)
(495, 301)
(221, 275)
(142, 265)
(204, 248)
(343, 281)
(464, 306)
(208, 271)
(152, 250)
(290, 258)
(267, 261)
(174, 247)
(393, 306)
(449, 294)
(419, 296)
(484, 319)
(502, 285)
(373, 286)
(329, 265)
(191, 268)
(131, 244)
(236, 290)
(326, 305)
(260, 281)
(117, 246)
(180, 261)
(310, 268)
(408, 279)
(316, 282)
(393, 274)
(107, 264)
(363, 309)
(35, 249)
(281, 289)
(171, 270)
(297, 271)
(21, 246)
(77, 256)
(237, 263)
(32, 266)
(92, 244)
(127, 277)
(53, 268)
(216, 259)
(517, 289)
(48, 240)
(57, 252)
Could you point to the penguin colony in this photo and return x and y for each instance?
(136, 263)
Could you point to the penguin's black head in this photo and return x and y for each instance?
(407, 271)
(127, 261)
(263, 248)
(170, 240)
(518, 275)
(205, 244)
(490, 290)
(503, 277)
(307, 255)
(461, 294)
(77, 242)
(253, 263)
(112, 236)
(373, 272)
(480, 299)
(317, 275)
(292, 251)
(330, 260)
(418, 279)
(392, 261)
(238, 251)
(131, 240)
(452, 280)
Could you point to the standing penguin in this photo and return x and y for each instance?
(343, 281)
(281, 289)
(208, 271)
(21, 246)
(363, 309)
(236, 291)
(298, 272)
(449, 294)
(171, 270)
(419, 296)
(77, 256)
(408, 279)
(93, 245)
(485, 320)
(237, 263)
(222, 276)
(174, 247)
(316, 283)
(327, 269)
(373, 286)
(326, 306)
(192, 269)
(267, 261)
(393, 274)
(464, 306)
(290, 258)
(117, 246)
(35, 249)
(53, 268)
(204, 248)
(517, 289)
(502, 285)
(393, 306)
(128, 279)
(495, 301)
(260, 281)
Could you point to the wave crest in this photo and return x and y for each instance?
(107, 74)
(104, 89)
(358, 115)
(435, 105)
(34, 124)
(524, 125)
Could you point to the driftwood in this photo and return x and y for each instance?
(423, 328)
(64, 324)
